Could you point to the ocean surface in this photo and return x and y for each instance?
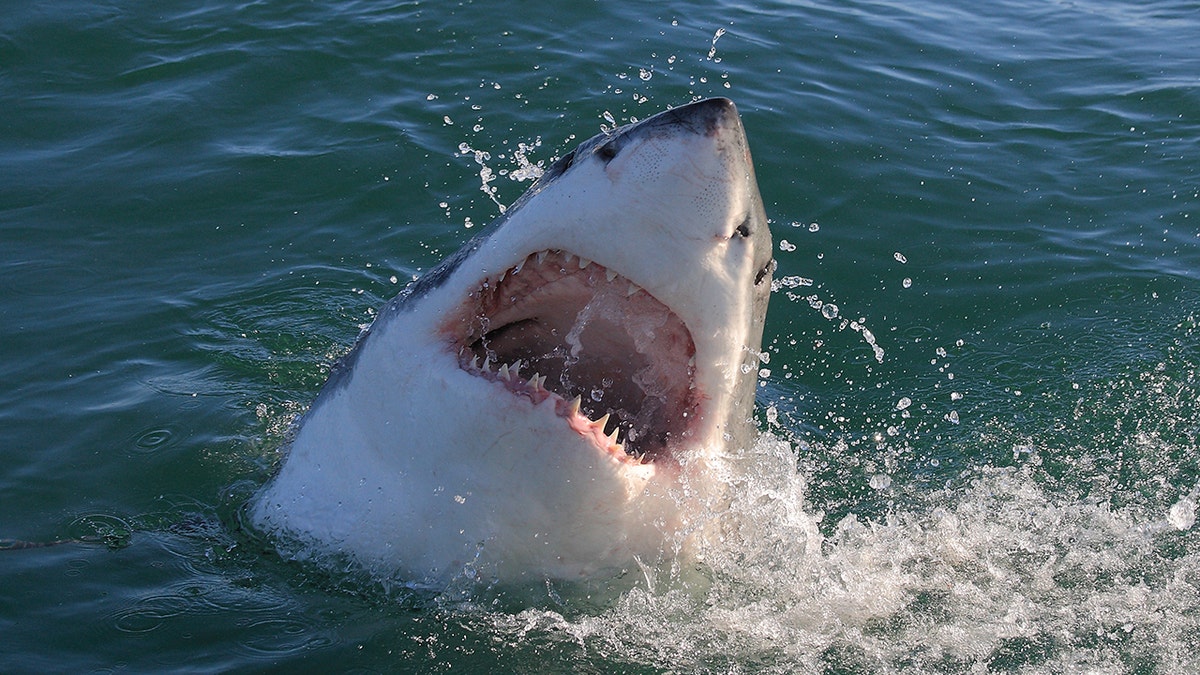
(981, 405)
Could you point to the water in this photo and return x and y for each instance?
(980, 399)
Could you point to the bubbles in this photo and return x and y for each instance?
(829, 310)
(112, 531)
(791, 281)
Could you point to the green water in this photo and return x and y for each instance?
(201, 204)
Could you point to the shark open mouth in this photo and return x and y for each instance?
(618, 363)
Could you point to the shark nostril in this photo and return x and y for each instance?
(743, 230)
(764, 272)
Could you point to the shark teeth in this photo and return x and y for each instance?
(535, 389)
(508, 372)
(518, 296)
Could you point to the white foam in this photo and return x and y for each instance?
(1182, 514)
(993, 574)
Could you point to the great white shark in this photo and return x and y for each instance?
(551, 401)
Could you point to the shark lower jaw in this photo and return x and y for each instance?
(617, 364)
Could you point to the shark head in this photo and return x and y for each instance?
(545, 401)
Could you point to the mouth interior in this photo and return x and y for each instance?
(589, 333)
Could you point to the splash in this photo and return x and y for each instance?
(486, 174)
(712, 50)
(523, 169)
(995, 573)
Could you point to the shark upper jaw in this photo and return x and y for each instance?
(607, 353)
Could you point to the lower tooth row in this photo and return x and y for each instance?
(509, 371)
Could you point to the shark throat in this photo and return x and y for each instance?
(618, 364)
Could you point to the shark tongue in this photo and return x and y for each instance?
(591, 334)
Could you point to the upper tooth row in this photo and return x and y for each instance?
(567, 258)
(507, 371)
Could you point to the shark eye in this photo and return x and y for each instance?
(743, 230)
(607, 151)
